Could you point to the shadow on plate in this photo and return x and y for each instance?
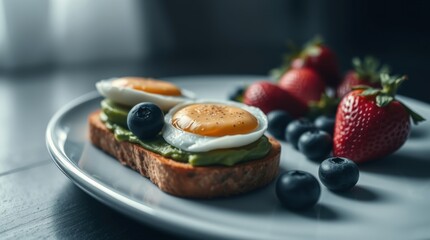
(401, 164)
(77, 215)
(417, 133)
(360, 193)
(319, 212)
(264, 201)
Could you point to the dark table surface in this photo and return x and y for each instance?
(36, 199)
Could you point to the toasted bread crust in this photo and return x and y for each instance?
(182, 179)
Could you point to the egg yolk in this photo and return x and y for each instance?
(148, 85)
(214, 120)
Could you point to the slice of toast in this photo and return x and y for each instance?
(182, 179)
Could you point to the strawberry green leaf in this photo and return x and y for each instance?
(386, 95)
(327, 105)
(391, 81)
(277, 73)
(416, 118)
(383, 100)
(370, 92)
(385, 79)
(356, 63)
(391, 84)
(369, 68)
(315, 41)
(399, 80)
(313, 51)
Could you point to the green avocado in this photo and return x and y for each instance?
(115, 112)
(115, 118)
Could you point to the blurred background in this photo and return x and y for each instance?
(162, 38)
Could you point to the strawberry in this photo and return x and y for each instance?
(322, 59)
(268, 97)
(313, 55)
(371, 123)
(304, 83)
(365, 72)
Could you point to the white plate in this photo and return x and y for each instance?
(391, 200)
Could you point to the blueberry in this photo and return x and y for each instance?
(236, 94)
(315, 144)
(338, 174)
(325, 123)
(277, 122)
(298, 190)
(145, 120)
(296, 128)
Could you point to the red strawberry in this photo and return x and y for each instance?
(304, 83)
(320, 58)
(365, 73)
(268, 97)
(371, 123)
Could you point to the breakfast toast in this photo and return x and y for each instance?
(183, 179)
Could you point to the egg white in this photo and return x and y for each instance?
(197, 143)
(131, 97)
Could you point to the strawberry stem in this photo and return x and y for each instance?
(391, 84)
(386, 95)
